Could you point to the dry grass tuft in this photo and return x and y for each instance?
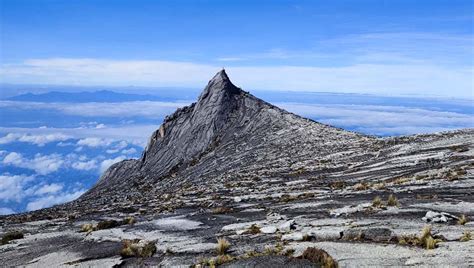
(137, 248)
(253, 229)
(377, 202)
(221, 210)
(462, 220)
(337, 185)
(287, 198)
(379, 186)
(129, 220)
(392, 201)
(87, 228)
(222, 246)
(221, 259)
(107, 224)
(319, 256)
(361, 186)
(425, 240)
(466, 236)
(401, 180)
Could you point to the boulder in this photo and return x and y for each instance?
(438, 217)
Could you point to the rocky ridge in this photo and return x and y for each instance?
(273, 184)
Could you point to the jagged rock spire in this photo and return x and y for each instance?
(219, 85)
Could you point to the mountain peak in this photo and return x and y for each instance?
(218, 87)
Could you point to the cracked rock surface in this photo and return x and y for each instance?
(272, 184)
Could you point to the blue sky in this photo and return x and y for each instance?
(400, 47)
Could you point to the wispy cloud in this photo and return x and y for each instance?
(41, 164)
(50, 200)
(382, 120)
(359, 77)
(108, 162)
(150, 109)
(94, 142)
(12, 187)
(17, 188)
(39, 140)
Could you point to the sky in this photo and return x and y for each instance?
(402, 47)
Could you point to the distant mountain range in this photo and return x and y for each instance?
(98, 96)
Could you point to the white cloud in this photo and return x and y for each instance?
(6, 211)
(395, 78)
(382, 120)
(94, 142)
(133, 134)
(41, 164)
(49, 189)
(39, 140)
(129, 151)
(149, 109)
(108, 162)
(12, 187)
(85, 165)
(54, 199)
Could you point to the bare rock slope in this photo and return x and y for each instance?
(282, 190)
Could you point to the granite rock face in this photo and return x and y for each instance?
(226, 130)
(274, 185)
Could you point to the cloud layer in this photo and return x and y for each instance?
(397, 78)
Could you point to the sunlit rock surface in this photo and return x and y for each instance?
(272, 184)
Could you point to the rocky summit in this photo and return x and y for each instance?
(234, 181)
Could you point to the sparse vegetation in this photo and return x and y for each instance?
(221, 210)
(129, 220)
(137, 248)
(377, 202)
(425, 240)
(13, 235)
(87, 228)
(462, 220)
(466, 236)
(222, 246)
(401, 180)
(392, 201)
(319, 256)
(337, 185)
(253, 229)
(221, 259)
(287, 198)
(107, 224)
(361, 186)
(378, 186)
